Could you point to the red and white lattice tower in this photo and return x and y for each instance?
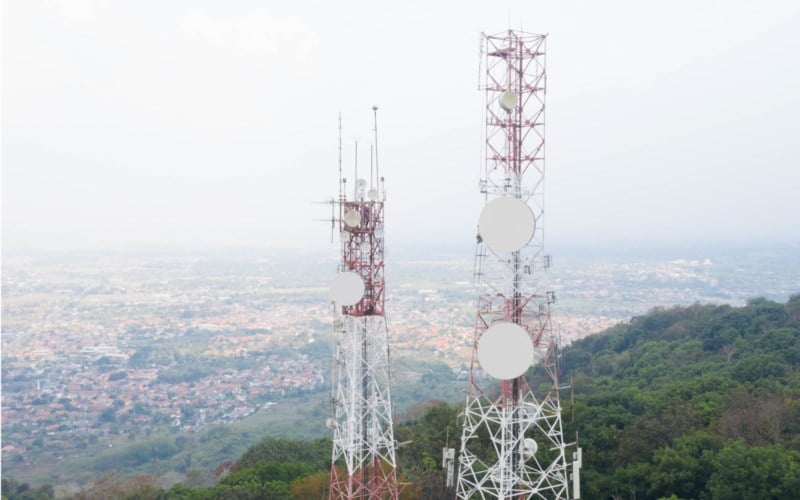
(363, 461)
(512, 444)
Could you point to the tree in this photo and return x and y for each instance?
(111, 486)
(793, 309)
(759, 366)
(684, 469)
(270, 480)
(755, 473)
(313, 486)
(756, 421)
(14, 490)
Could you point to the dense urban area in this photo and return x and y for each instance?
(100, 351)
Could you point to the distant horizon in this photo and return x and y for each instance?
(185, 126)
(453, 249)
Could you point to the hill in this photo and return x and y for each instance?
(690, 402)
(696, 402)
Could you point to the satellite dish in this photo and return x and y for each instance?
(329, 423)
(505, 350)
(372, 194)
(508, 101)
(347, 288)
(352, 218)
(364, 247)
(529, 447)
(530, 410)
(506, 224)
(361, 183)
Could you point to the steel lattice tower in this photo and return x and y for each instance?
(526, 454)
(363, 460)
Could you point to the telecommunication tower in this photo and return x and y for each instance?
(526, 457)
(363, 460)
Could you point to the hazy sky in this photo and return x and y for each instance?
(191, 123)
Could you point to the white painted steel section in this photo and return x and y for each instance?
(510, 289)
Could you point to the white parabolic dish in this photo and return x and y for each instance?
(505, 350)
(506, 224)
(530, 446)
(347, 288)
(352, 218)
(508, 101)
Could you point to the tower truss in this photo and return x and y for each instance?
(363, 460)
(526, 454)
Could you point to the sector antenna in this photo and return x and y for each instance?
(363, 461)
(512, 445)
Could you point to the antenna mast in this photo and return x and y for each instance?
(355, 174)
(364, 463)
(375, 121)
(527, 455)
(340, 158)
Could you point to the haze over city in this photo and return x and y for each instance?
(186, 124)
(181, 317)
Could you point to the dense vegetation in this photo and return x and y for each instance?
(691, 402)
(695, 402)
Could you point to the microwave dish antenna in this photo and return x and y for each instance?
(505, 351)
(352, 218)
(506, 224)
(509, 101)
(347, 288)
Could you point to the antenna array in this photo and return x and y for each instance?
(363, 459)
(527, 454)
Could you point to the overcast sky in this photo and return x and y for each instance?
(203, 124)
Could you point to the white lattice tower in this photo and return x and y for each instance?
(363, 459)
(525, 456)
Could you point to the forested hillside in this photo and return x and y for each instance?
(689, 402)
(695, 402)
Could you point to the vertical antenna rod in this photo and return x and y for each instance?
(363, 461)
(355, 176)
(526, 457)
(375, 121)
(340, 158)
